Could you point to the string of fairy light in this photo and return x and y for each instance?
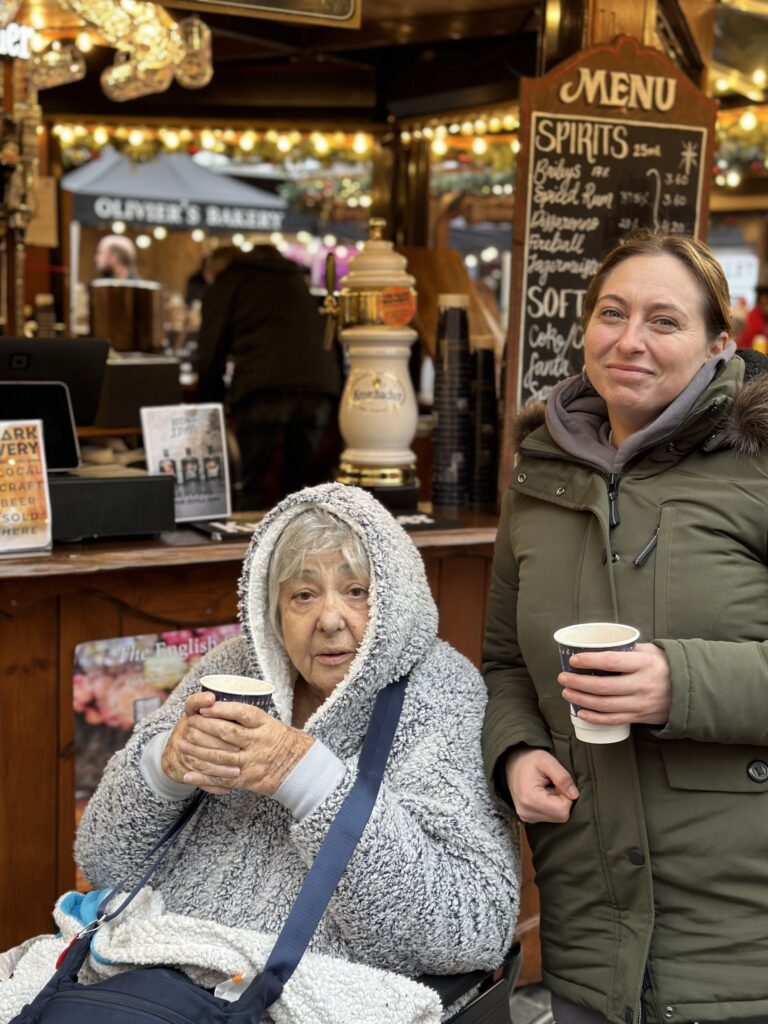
(215, 140)
(741, 141)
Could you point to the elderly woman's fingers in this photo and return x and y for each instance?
(210, 754)
(222, 773)
(196, 701)
(209, 740)
(207, 782)
(233, 711)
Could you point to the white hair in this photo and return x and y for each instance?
(316, 531)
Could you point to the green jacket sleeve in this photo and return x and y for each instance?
(719, 691)
(512, 716)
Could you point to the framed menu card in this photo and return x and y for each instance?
(188, 442)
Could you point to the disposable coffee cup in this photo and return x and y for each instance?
(242, 689)
(594, 636)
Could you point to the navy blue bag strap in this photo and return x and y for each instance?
(330, 863)
(317, 889)
(161, 848)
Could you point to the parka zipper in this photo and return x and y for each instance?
(612, 480)
(613, 500)
(645, 552)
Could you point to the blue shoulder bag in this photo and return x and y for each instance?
(163, 995)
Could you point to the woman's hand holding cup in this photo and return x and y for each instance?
(262, 749)
(190, 744)
(628, 687)
(227, 741)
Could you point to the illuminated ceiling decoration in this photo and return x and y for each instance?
(8, 9)
(59, 64)
(152, 48)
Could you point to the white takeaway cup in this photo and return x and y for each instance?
(594, 636)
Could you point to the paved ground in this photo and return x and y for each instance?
(530, 1005)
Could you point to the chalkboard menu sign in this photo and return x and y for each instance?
(613, 140)
(340, 13)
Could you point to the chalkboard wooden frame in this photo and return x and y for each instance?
(614, 138)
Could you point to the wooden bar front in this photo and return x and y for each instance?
(81, 592)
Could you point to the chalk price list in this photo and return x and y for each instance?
(591, 183)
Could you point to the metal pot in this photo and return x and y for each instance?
(128, 313)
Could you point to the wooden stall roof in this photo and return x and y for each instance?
(407, 57)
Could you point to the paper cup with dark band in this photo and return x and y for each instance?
(594, 636)
(242, 689)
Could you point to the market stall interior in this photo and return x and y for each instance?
(296, 135)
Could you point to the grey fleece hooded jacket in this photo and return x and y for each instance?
(433, 884)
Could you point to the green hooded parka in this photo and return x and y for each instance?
(662, 869)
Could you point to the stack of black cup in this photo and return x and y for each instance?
(485, 461)
(453, 414)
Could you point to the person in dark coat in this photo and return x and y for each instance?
(283, 390)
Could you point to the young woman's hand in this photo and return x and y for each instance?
(541, 789)
(639, 690)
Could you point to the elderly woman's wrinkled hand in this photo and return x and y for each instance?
(228, 745)
(176, 764)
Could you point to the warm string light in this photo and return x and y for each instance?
(246, 142)
(742, 144)
(742, 137)
(435, 130)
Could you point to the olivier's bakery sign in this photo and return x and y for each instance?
(614, 139)
(181, 214)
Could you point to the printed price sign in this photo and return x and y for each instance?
(25, 521)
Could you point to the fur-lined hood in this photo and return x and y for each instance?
(744, 427)
(403, 618)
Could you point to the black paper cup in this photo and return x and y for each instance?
(594, 636)
(242, 689)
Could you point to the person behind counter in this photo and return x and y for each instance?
(756, 325)
(116, 258)
(639, 497)
(335, 605)
(259, 315)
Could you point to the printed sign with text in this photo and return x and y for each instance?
(25, 520)
(188, 443)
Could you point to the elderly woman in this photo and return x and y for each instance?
(640, 496)
(334, 606)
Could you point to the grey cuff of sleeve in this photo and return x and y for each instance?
(153, 774)
(311, 782)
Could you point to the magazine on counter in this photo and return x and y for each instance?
(188, 442)
(117, 682)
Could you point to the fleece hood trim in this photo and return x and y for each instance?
(402, 625)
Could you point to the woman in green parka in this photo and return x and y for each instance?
(640, 495)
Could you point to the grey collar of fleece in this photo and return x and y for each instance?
(577, 418)
(402, 625)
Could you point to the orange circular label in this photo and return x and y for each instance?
(398, 305)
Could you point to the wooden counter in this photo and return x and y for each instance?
(102, 589)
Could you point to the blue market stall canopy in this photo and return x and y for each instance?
(172, 191)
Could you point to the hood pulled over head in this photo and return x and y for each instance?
(402, 624)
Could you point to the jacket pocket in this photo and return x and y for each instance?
(715, 767)
(562, 745)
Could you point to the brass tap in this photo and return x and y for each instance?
(330, 308)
